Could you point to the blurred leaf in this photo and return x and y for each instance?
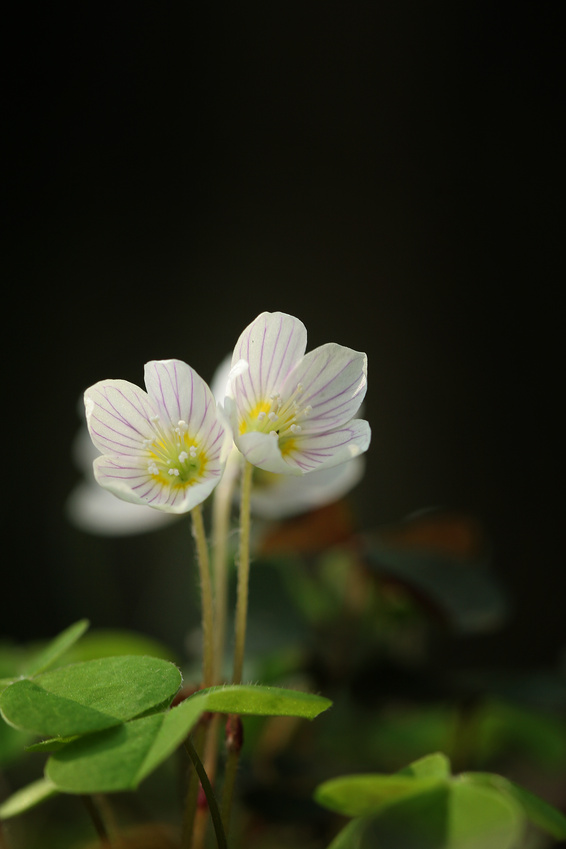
(504, 728)
(436, 765)
(539, 812)
(426, 811)
(264, 701)
(55, 648)
(12, 743)
(89, 696)
(111, 643)
(360, 795)
(442, 559)
(26, 798)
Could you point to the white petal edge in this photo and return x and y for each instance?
(128, 479)
(290, 496)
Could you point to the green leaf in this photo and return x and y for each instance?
(248, 699)
(538, 811)
(89, 696)
(436, 765)
(26, 798)
(361, 795)
(120, 758)
(54, 649)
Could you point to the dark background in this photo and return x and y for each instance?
(391, 173)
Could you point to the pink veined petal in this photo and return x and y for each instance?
(129, 479)
(324, 450)
(118, 416)
(334, 383)
(271, 345)
(180, 393)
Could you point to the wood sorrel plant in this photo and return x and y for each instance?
(281, 415)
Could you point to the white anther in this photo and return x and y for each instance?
(307, 410)
(174, 472)
(275, 397)
(299, 387)
(193, 451)
(147, 443)
(182, 424)
(183, 456)
(295, 428)
(152, 469)
(154, 419)
(261, 416)
(273, 433)
(272, 417)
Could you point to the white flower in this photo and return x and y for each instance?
(293, 413)
(165, 448)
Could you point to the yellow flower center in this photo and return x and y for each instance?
(174, 456)
(278, 418)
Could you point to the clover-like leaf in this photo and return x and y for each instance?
(538, 811)
(89, 696)
(252, 700)
(120, 758)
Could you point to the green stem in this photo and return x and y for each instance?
(206, 597)
(97, 820)
(243, 573)
(221, 504)
(191, 797)
(209, 793)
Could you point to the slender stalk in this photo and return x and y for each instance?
(97, 820)
(206, 597)
(221, 504)
(208, 792)
(191, 798)
(243, 574)
(210, 762)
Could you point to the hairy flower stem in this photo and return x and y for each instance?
(243, 574)
(206, 597)
(221, 504)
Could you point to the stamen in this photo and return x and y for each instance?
(295, 428)
(193, 451)
(154, 419)
(272, 417)
(183, 456)
(174, 472)
(147, 443)
(261, 416)
(273, 433)
(152, 469)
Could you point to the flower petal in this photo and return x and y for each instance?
(118, 415)
(286, 495)
(129, 479)
(96, 511)
(262, 450)
(323, 450)
(179, 392)
(334, 383)
(272, 344)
